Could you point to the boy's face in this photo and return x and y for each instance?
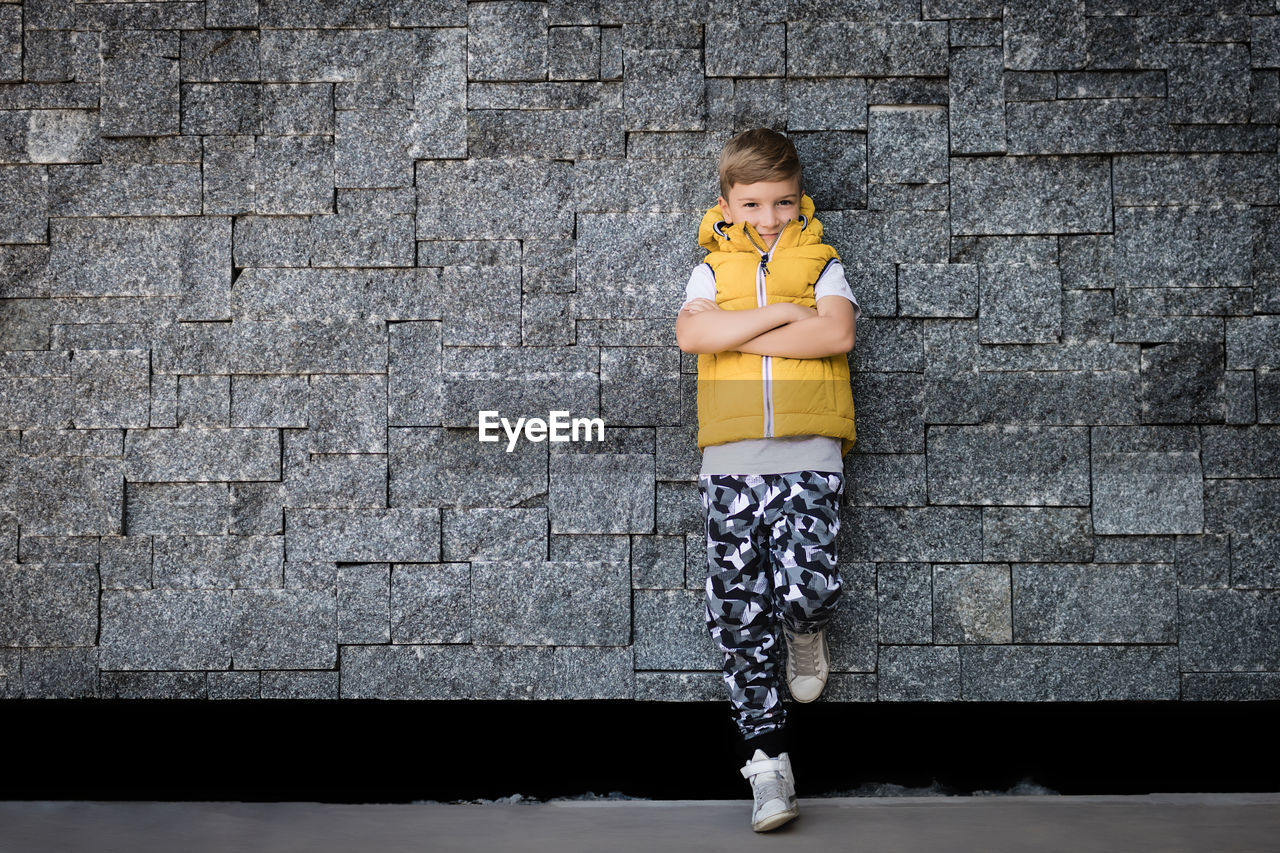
(767, 205)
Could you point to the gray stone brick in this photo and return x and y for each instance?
(858, 49)
(294, 174)
(852, 631)
(435, 467)
(919, 673)
(455, 200)
(486, 306)
(235, 685)
(161, 508)
(1088, 126)
(24, 197)
(907, 145)
(257, 509)
(283, 629)
(1183, 383)
(269, 401)
(1095, 603)
(573, 53)
(1009, 465)
(1191, 179)
(1147, 493)
(327, 345)
(363, 535)
(634, 383)
(1230, 686)
(557, 134)
(746, 49)
(837, 103)
(1245, 508)
(110, 388)
(413, 374)
(139, 83)
(1036, 533)
(1022, 195)
(185, 257)
(124, 190)
(125, 562)
(972, 603)
(1203, 560)
(336, 55)
(938, 290)
(658, 562)
(48, 604)
(197, 455)
(507, 41)
(1229, 630)
(297, 108)
(64, 496)
(529, 382)
(61, 136)
(576, 508)
(1044, 36)
(347, 414)
(218, 562)
(681, 687)
(1069, 673)
(494, 534)
(364, 603)
(1201, 246)
(594, 673)
(431, 603)
(1019, 303)
(166, 629)
(227, 108)
(203, 401)
(976, 112)
(292, 684)
(59, 673)
(228, 182)
(536, 602)
(904, 603)
(833, 159)
(1208, 83)
(671, 632)
(664, 90)
(153, 685)
(1253, 343)
(371, 147)
(231, 13)
(446, 672)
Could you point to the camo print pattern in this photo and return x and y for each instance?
(771, 556)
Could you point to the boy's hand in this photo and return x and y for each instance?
(697, 305)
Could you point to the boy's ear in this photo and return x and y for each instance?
(724, 207)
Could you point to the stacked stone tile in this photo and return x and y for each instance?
(264, 263)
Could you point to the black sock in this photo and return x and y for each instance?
(773, 742)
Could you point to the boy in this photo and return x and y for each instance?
(771, 317)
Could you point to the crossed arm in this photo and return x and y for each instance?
(783, 329)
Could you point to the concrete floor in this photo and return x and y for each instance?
(1170, 823)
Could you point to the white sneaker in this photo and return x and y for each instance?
(773, 786)
(808, 664)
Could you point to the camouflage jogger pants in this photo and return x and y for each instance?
(771, 556)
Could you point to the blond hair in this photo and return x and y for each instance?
(759, 154)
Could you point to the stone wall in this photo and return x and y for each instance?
(264, 263)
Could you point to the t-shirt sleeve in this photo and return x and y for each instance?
(702, 285)
(832, 282)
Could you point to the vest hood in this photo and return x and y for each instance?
(803, 230)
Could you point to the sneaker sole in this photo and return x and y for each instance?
(775, 821)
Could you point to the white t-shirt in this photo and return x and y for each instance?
(781, 454)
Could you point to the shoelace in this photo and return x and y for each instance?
(768, 787)
(808, 656)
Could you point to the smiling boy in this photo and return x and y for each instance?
(771, 317)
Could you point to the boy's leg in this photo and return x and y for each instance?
(739, 606)
(804, 521)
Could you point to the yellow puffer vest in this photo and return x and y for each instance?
(743, 395)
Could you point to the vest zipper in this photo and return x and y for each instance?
(766, 361)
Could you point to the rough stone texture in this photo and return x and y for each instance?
(262, 266)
